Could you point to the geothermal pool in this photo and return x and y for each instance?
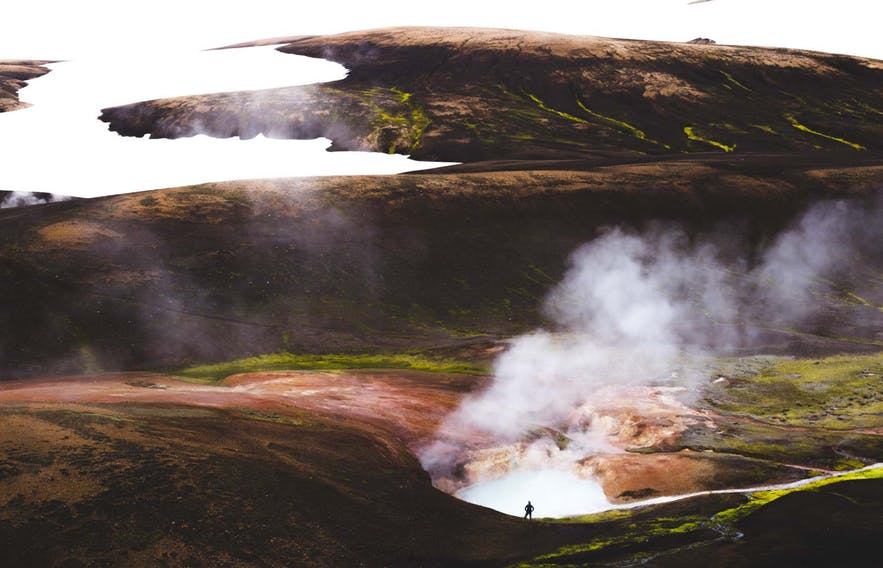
(558, 494)
(554, 494)
(59, 146)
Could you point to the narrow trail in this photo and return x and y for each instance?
(746, 490)
(807, 468)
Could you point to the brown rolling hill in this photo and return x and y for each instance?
(365, 264)
(14, 74)
(561, 137)
(475, 94)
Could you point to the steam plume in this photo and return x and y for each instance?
(642, 308)
(10, 199)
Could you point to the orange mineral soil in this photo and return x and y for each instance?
(636, 427)
(410, 404)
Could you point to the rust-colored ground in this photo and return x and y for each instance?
(410, 404)
(407, 407)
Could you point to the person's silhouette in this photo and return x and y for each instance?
(528, 511)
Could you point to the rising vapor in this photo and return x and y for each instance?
(641, 309)
(10, 199)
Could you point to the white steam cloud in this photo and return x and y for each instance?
(642, 309)
(626, 310)
(24, 198)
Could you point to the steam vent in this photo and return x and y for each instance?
(639, 285)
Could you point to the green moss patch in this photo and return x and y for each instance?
(728, 518)
(628, 536)
(842, 393)
(290, 361)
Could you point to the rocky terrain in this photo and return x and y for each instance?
(243, 373)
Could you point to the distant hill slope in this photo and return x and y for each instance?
(10, 199)
(14, 74)
(217, 271)
(462, 94)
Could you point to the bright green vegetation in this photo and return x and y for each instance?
(638, 532)
(808, 413)
(562, 114)
(791, 119)
(620, 124)
(691, 134)
(607, 121)
(396, 108)
(842, 392)
(292, 362)
(727, 519)
(812, 448)
(730, 79)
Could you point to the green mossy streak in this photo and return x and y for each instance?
(728, 518)
(803, 128)
(691, 134)
(291, 361)
(621, 124)
(562, 114)
(723, 522)
(734, 81)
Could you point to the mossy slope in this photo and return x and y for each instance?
(462, 94)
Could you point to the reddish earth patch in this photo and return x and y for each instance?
(409, 403)
(637, 423)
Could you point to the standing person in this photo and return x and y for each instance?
(528, 511)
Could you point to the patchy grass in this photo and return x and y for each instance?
(273, 417)
(842, 393)
(727, 519)
(652, 531)
(290, 361)
(638, 532)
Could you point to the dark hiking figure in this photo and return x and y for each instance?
(528, 511)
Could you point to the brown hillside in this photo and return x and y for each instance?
(217, 271)
(474, 94)
(14, 74)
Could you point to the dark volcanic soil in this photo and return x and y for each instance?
(563, 136)
(317, 469)
(218, 271)
(307, 469)
(460, 94)
(14, 74)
